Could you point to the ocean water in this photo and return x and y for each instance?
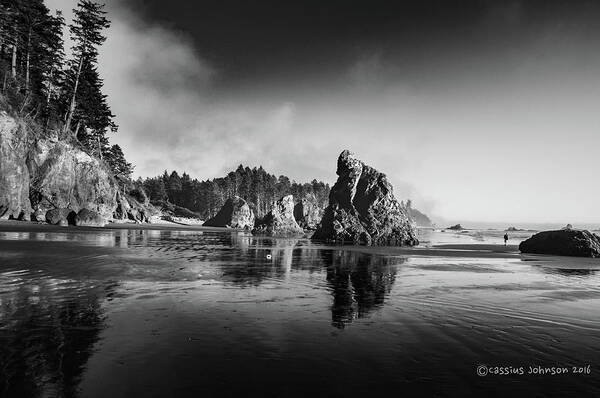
(156, 313)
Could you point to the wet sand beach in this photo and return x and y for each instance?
(169, 311)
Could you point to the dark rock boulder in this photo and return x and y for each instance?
(363, 210)
(38, 215)
(61, 216)
(565, 242)
(456, 227)
(307, 212)
(89, 218)
(279, 221)
(235, 213)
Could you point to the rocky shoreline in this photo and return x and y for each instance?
(47, 177)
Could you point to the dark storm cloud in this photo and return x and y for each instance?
(254, 41)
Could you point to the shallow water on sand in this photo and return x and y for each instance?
(122, 313)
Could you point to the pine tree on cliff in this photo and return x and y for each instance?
(11, 26)
(93, 114)
(34, 40)
(82, 80)
(116, 160)
(43, 52)
(4, 19)
(34, 15)
(48, 65)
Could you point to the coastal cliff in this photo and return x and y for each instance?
(14, 173)
(41, 171)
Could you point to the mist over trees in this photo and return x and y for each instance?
(60, 92)
(254, 185)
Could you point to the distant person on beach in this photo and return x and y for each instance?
(505, 239)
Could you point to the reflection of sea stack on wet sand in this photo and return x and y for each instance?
(363, 210)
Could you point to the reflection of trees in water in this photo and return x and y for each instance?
(359, 282)
(256, 259)
(48, 328)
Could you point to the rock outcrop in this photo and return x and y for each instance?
(63, 175)
(14, 174)
(307, 212)
(235, 213)
(363, 210)
(89, 218)
(565, 242)
(40, 170)
(38, 215)
(134, 206)
(61, 216)
(279, 221)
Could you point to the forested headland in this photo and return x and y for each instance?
(255, 185)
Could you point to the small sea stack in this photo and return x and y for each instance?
(279, 221)
(235, 213)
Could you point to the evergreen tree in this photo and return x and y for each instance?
(116, 160)
(49, 65)
(174, 188)
(155, 188)
(33, 39)
(82, 80)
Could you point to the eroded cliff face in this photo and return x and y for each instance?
(39, 172)
(14, 174)
(64, 176)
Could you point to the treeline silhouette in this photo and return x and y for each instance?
(254, 185)
(61, 94)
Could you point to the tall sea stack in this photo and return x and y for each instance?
(363, 210)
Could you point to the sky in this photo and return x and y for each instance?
(477, 110)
